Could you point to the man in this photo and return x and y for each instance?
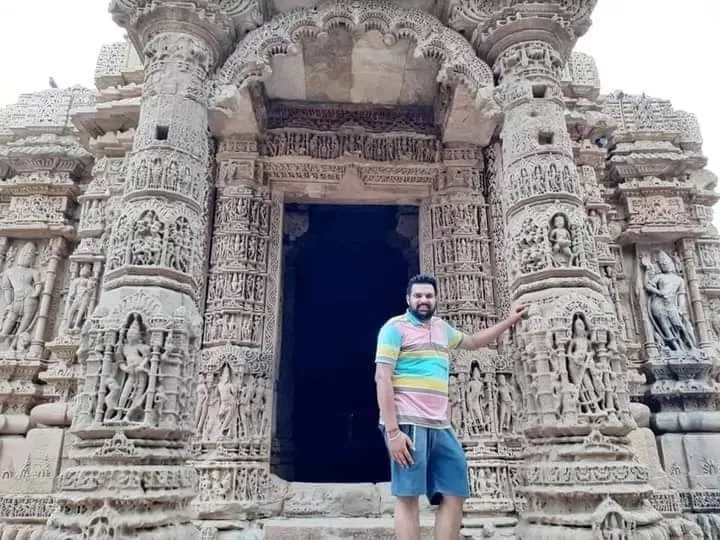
(411, 375)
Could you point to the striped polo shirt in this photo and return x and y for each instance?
(418, 352)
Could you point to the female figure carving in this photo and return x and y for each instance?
(581, 366)
(133, 361)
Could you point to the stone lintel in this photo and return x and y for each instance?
(232, 113)
(108, 117)
(472, 120)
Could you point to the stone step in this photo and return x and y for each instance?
(380, 528)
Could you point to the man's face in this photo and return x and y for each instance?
(421, 301)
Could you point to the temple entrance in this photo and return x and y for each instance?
(344, 277)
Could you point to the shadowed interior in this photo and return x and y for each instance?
(349, 278)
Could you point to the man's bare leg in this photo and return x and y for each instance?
(407, 518)
(449, 518)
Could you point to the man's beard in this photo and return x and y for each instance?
(426, 313)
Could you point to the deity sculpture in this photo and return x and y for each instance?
(476, 398)
(456, 407)
(258, 400)
(505, 403)
(146, 245)
(595, 221)
(78, 299)
(133, 360)
(21, 288)
(246, 417)
(226, 416)
(561, 241)
(581, 367)
(667, 304)
(268, 391)
(203, 400)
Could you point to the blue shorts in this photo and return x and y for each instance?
(439, 466)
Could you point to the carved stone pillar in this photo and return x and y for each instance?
(236, 377)
(568, 357)
(456, 248)
(140, 345)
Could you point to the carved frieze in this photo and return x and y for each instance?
(326, 118)
(707, 254)
(659, 209)
(370, 147)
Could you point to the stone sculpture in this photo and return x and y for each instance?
(667, 304)
(79, 298)
(21, 289)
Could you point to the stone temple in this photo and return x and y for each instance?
(196, 257)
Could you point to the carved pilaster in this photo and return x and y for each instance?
(140, 345)
(461, 241)
(234, 413)
(569, 362)
(496, 219)
(455, 235)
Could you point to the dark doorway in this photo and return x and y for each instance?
(348, 272)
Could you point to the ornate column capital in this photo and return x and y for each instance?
(216, 23)
(498, 24)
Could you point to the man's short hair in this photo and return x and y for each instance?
(422, 279)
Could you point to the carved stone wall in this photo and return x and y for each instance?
(140, 277)
(663, 200)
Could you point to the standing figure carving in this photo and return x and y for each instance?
(21, 288)
(561, 241)
(133, 358)
(505, 403)
(246, 417)
(456, 406)
(203, 400)
(667, 304)
(226, 417)
(79, 298)
(581, 368)
(258, 400)
(476, 399)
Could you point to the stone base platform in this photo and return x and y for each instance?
(338, 528)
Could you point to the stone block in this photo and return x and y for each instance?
(332, 500)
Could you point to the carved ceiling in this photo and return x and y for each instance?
(347, 52)
(343, 67)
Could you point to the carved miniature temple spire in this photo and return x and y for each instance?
(140, 345)
(569, 362)
(656, 177)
